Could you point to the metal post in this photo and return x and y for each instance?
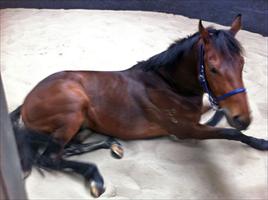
(11, 182)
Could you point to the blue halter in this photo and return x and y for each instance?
(214, 101)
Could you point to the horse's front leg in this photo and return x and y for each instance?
(207, 132)
(216, 118)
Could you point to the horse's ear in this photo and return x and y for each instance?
(203, 32)
(236, 25)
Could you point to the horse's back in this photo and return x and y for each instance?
(116, 104)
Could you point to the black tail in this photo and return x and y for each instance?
(26, 152)
(37, 149)
(29, 142)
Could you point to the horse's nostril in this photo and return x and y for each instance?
(236, 118)
(240, 122)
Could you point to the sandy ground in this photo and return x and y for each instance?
(36, 43)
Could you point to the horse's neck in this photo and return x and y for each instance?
(184, 75)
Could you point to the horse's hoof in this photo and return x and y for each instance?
(117, 151)
(96, 189)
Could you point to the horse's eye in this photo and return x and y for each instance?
(213, 70)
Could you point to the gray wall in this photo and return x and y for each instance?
(255, 12)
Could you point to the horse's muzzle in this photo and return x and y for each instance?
(240, 122)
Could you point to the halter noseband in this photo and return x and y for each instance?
(214, 101)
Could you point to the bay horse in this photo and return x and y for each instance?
(158, 97)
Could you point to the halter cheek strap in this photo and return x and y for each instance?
(214, 101)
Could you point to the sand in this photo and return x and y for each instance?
(36, 43)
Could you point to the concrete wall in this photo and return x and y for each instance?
(255, 12)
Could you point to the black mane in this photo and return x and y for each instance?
(222, 40)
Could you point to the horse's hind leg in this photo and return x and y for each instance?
(70, 124)
(88, 170)
(116, 148)
(80, 148)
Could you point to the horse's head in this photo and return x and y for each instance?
(223, 64)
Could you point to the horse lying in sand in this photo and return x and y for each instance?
(157, 97)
